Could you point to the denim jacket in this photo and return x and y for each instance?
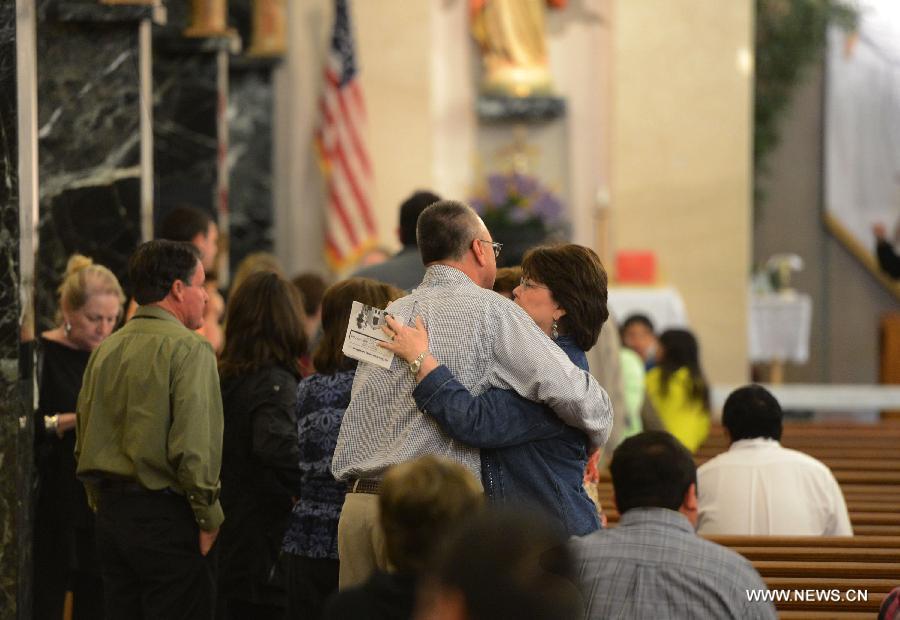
(528, 455)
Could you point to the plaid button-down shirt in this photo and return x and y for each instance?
(653, 565)
(486, 341)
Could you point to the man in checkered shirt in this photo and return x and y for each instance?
(653, 564)
(485, 340)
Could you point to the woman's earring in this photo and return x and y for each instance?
(68, 328)
(554, 331)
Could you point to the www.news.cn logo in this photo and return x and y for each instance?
(808, 596)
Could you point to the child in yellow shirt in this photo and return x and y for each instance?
(678, 390)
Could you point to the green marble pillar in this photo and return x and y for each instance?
(16, 352)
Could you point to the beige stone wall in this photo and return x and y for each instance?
(394, 50)
(681, 159)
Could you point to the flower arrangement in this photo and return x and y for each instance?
(519, 211)
(514, 200)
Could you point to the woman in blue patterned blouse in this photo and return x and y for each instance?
(310, 543)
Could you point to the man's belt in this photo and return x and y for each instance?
(371, 486)
(127, 487)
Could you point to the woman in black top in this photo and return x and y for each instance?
(264, 340)
(90, 305)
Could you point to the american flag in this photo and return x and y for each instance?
(350, 225)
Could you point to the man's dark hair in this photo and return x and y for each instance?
(510, 564)
(155, 265)
(636, 319)
(651, 470)
(445, 231)
(312, 287)
(410, 211)
(183, 223)
(751, 411)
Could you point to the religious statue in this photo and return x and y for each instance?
(511, 35)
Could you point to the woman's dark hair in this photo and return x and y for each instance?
(578, 282)
(263, 326)
(155, 265)
(752, 411)
(651, 470)
(680, 350)
(336, 304)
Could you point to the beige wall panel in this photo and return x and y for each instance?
(394, 49)
(681, 159)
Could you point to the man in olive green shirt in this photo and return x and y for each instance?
(149, 443)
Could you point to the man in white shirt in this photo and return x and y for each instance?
(758, 487)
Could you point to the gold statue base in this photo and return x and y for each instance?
(517, 81)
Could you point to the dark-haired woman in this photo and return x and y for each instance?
(311, 538)
(259, 374)
(528, 455)
(678, 390)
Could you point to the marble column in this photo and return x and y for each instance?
(16, 353)
(90, 108)
(250, 113)
(250, 125)
(185, 95)
(190, 94)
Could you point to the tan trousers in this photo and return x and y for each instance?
(360, 540)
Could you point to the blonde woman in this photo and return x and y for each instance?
(90, 306)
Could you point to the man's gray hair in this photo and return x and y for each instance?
(445, 231)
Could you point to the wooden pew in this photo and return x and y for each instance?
(823, 563)
(874, 530)
(870, 605)
(848, 542)
(826, 615)
(830, 570)
(845, 450)
(847, 464)
(866, 463)
(822, 453)
(821, 554)
(864, 523)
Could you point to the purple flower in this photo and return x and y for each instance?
(520, 214)
(498, 189)
(519, 199)
(547, 207)
(524, 185)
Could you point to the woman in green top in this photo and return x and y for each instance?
(678, 390)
